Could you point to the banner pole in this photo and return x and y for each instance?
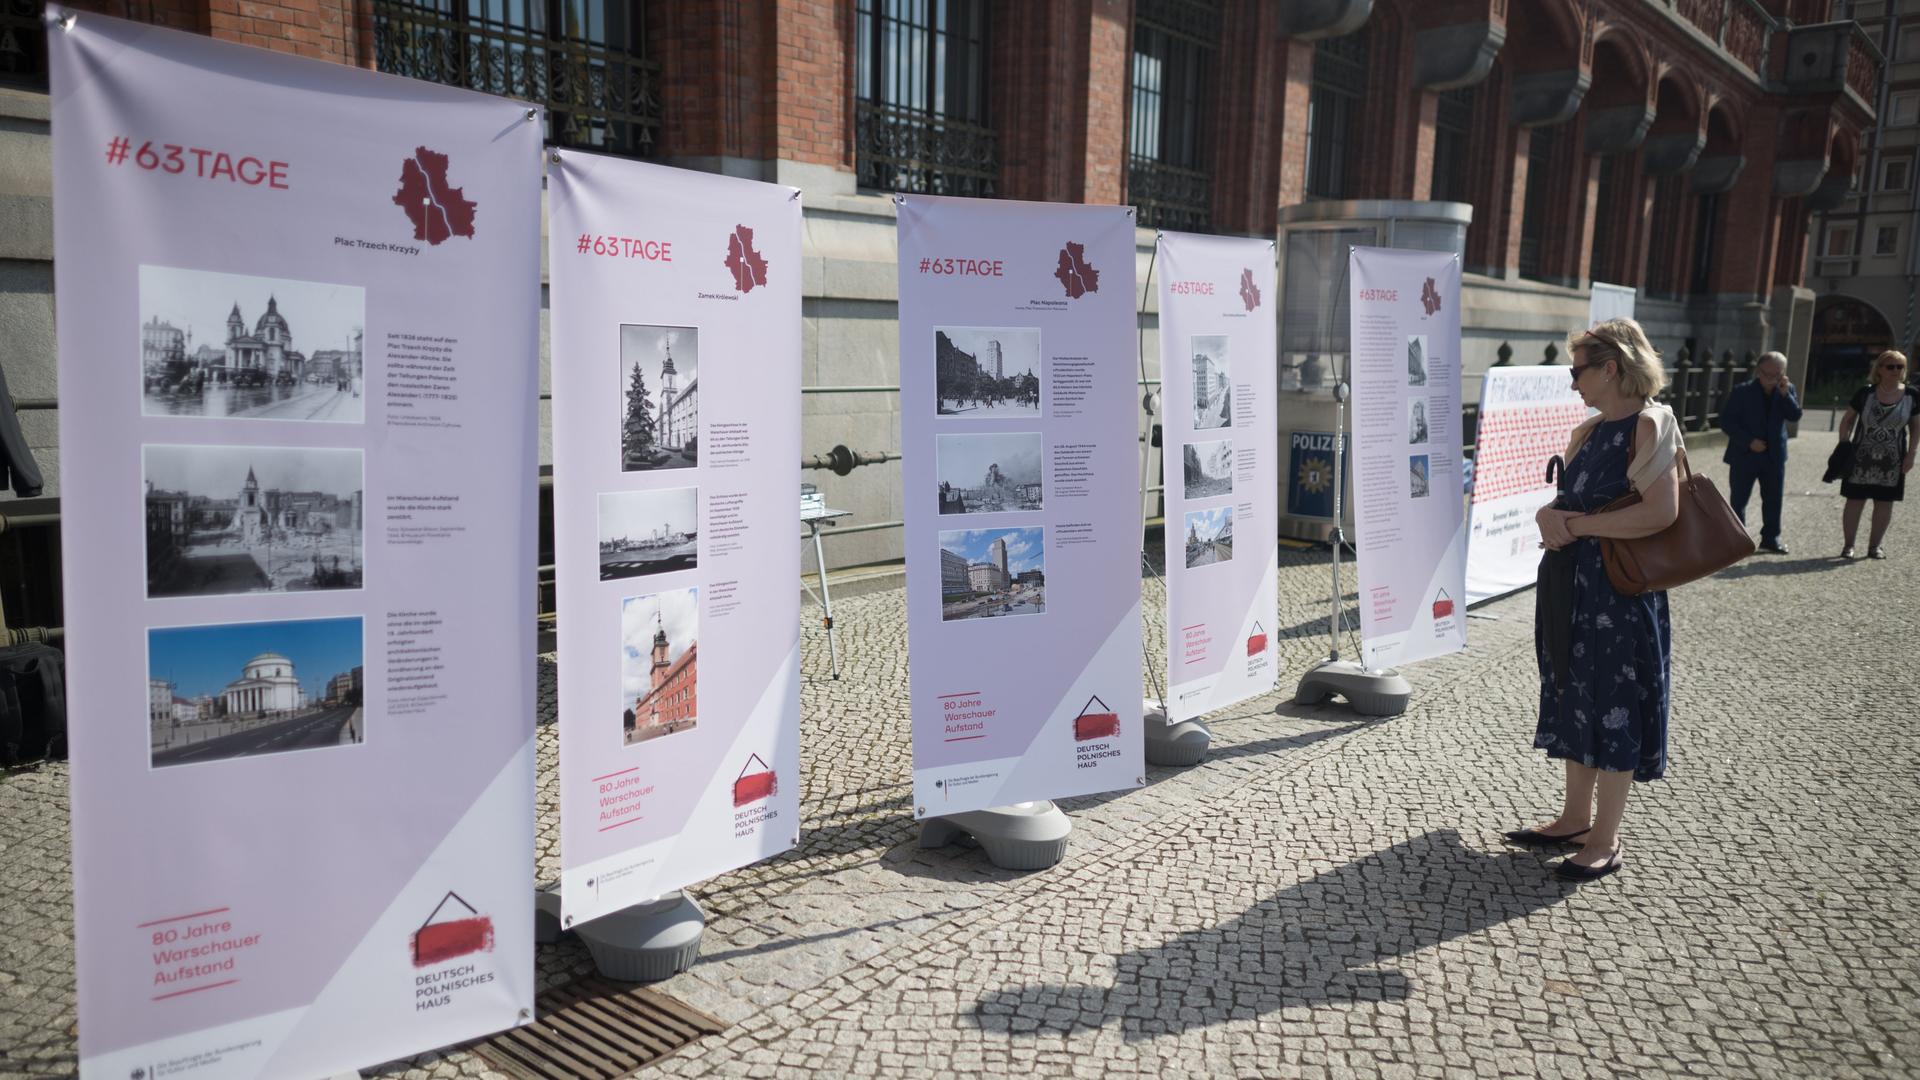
(1146, 457)
(1368, 692)
(1167, 743)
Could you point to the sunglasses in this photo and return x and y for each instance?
(1578, 368)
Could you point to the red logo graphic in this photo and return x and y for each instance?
(1074, 273)
(1257, 641)
(1103, 724)
(458, 935)
(1430, 297)
(438, 210)
(1442, 605)
(747, 265)
(1249, 292)
(750, 786)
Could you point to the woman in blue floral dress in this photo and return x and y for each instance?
(1604, 665)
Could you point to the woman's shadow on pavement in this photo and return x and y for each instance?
(1315, 943)
(1760, 565)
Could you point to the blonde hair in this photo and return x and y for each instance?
(1873, 376)
(1623, 342)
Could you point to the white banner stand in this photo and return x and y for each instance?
(1368, 692)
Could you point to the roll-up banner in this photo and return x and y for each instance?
(676, 463)
(1019, 447)
(1610, 302)
(1409, 512)
(1527, 414)
(298, 329)
(1217, 374)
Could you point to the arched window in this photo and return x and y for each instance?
(1533, 215)
(921, 116)
(1339, 84)
(1175, 46)
(1452, 130)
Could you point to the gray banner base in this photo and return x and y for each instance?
(648, 941)
(1184, 743)
(1369, 693)
(546, 914)
(1024, 836)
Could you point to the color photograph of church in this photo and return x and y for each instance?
(659, 664)
(659, 397)
(247, 689)
(243, 519)
(253, 348)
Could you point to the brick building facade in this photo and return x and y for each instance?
(1678, 146)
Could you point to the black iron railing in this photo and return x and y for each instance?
(1170, 197)
(907, 150)
(23, 44)
(598, 96)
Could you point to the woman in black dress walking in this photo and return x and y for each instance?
(1603, 678)
(1888, 412)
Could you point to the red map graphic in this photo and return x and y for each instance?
(1249, 292)
(748, 267)
(1430, 297)
(438, 210)
(1074, 273)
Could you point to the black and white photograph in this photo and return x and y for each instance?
(247, 689)
(1208, 467)
(648, 532)
(1209, 536)
(251, 348)
(992, 573)
(659, 397)
(1417, 421)
(1419, 475)
(1416, 359)
(245, 519)
(1212, 382)
(987, 372)
(659, 664)
(989, 473)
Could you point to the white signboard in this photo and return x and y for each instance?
(1020, 461)
(676, 455)
(1409, 515)
(298, 329)
(1218, 372)
(1526, 417)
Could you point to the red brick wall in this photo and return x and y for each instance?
(1109, 55)
(1249, 102)
(812, 84)
(1038, 87)
(1296, 94)
(713, 87)
(322, 29)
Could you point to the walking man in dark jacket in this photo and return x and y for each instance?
(1755, 418)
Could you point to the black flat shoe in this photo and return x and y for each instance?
(1535, 838)
(1568, 870)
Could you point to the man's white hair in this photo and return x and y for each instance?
(1769, 357)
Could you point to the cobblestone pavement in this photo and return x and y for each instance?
(1322, 897)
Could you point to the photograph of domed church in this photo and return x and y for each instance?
(252, 348)
(244, 689)
(241, 519)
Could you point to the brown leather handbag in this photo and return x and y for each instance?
(1705, 538)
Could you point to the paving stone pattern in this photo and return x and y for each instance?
(1323, 896)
